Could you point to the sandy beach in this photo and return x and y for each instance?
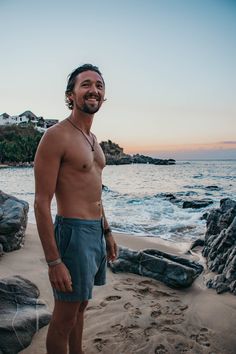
(133, 314)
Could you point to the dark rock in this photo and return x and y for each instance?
(213, 188)
(171, 197)
(220, 246)
(204, 216)
(220, 219)
(199, 242)
(13, 221)
(172, 270)
(189, 193)
(168, 196)
(197, 204)
(22, 314)
(189, 203)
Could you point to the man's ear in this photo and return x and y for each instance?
(69, 100)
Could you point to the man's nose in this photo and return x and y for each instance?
(93, 89)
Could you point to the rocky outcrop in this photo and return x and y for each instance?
(150, 160)
(220, 246)
(187, 203)
(115, 156)
(172, 270)
(22, 314)
(197, 203)
(13, 221)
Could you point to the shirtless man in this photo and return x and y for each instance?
(69, 163)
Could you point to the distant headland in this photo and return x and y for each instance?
(115, 156)
(20, 135)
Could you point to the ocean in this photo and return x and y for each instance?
(134, 196)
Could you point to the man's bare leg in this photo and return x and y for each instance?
(63, 320)
(75, 337)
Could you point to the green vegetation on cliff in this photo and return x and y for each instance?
(18, 143)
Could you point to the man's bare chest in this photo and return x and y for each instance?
(79, 156)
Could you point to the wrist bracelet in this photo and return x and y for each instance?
(107, 231)
(53, 263)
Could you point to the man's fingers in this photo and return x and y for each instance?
(68, 285)
(63, 285)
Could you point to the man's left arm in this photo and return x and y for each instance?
(111, 245)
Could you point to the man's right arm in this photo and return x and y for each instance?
(46, 169)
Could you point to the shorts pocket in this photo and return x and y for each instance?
(63, 238)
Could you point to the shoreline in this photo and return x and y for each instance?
(137, 314)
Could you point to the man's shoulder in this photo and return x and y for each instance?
(58, 130)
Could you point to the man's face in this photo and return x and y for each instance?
(88, 93)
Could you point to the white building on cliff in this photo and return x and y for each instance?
(25, 118)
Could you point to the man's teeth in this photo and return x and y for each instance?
(92, 99)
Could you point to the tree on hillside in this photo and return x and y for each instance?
(18, 143)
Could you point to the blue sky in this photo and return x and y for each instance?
(169, 68)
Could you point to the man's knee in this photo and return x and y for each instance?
(83, 306)
(63, 321)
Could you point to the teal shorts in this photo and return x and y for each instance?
(82, 248)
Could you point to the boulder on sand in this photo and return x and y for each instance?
(13, 221)
(22, 314)
(174, 271)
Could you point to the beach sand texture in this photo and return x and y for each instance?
(137, 315)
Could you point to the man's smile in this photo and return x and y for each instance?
(92, 98)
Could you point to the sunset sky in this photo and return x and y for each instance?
(169, 68)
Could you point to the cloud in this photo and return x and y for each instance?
(229, 142)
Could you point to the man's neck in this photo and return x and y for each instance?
(82, 120)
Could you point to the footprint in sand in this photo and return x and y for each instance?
(100, 343)
(161, 349)
(127, 281)
(146, 282)
(134, 311)
(156, 313)
(122, 332)
(161, 293)
(93, 308)
(145, 291)
(174, 310)
(169, 330)
(156, 305)
(117, 326)
(201, 337)
(108, 299)
(183, 348)
(151, 330)
(173, 300)
(128, 306)
(113, 298)
(130, 332)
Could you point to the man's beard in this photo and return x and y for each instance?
(85, 108)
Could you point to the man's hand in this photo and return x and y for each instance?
(60, 278)
(111, 247)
